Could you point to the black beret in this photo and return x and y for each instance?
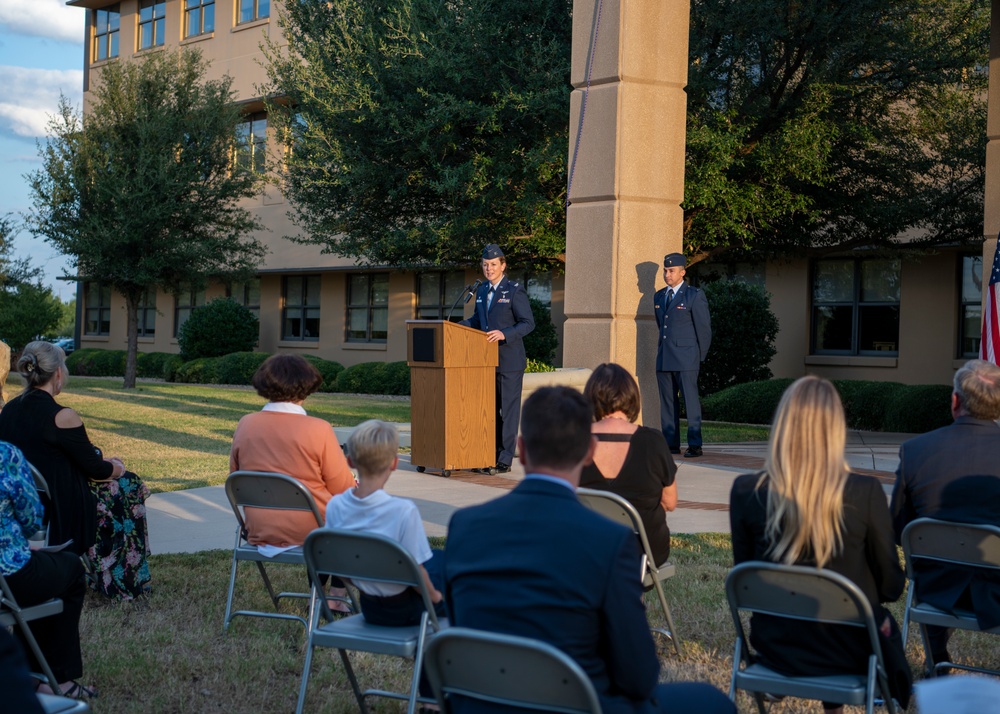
(673, 260)
(492, 251)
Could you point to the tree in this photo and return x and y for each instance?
(221, 327)
(28, 309)
(145, 192)
(829, 125)
(420, 130)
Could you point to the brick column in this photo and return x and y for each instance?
(628, 181)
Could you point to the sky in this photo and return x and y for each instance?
(41, 58)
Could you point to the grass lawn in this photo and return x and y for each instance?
(177, 436)
(169, 654)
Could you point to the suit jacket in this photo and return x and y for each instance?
(510, 313)
(952, 474)
(537, 563)
(685, 329)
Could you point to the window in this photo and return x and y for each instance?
(970, 307)
(151, 23)
(96, 309)
(437, 292)
(253, 10)
(251, 146)
(199, 17)
(147, 312)
(300, 313)
(856, 306)
(368, 307)
(188, 300)
(247, 294)
(107, 23)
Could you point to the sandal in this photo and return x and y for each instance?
(78, 691)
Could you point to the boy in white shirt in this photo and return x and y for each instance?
(373, 450)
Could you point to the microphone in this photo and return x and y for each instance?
(471, 290)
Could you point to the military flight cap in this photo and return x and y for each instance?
(492, 251)
(673, 260)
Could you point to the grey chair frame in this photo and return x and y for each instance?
(508, 671)
(811, 594)
(365, 556)
(262, 489)
(42, 487)
(947, 543)
(612, 506)
(13, 615)
(62, 705)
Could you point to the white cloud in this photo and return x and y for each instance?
(43, 18)
(35, 94)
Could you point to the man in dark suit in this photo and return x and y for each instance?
(504, 314)
(537, 563)
(685, 333)
(953, 474)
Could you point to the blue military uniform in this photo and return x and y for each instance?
(509, 312)
(685, 333)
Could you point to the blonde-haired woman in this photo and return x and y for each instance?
(806, 508)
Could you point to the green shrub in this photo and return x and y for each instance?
(150, 364)
(96, 363)
(204, 370)
(329, 369)
(866, 402)
(535, 365)
(396, 377)
(540, 344)
(750, 403)
(919, 408)
(239, 367)
(170, 367)
(219, 328)
(375, 378)
(743, 334)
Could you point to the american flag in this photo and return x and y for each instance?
(989, 348)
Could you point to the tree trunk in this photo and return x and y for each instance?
(132, 351)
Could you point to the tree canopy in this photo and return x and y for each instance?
(28, 309)
(145, 191)
(421, 130)
(834, 124)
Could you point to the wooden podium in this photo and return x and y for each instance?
(452, 396)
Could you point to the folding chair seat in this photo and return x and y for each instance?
(365, 556)
(508, 671)
(946, 543)
(814, 595)
(259, 489)
(62, 705)
(13, 615)
(612, 506)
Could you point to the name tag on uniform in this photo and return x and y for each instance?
(478, 300)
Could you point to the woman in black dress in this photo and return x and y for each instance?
(806, 508)
(93, 502)
(631, 461)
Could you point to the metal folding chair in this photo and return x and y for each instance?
(612, 506)
(508, 671)
(813, 595)
(365, 556)
(259, 489)
(13, 615)
(946, 543)
(42, 487)
(62, 705)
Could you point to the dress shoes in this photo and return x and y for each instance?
(692, 452)
(503, 468)
(674, 451)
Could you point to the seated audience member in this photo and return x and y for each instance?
(373, 449)
(631, 461)
(15, 680)
(92, 501)
(537, 563)
(806, 508)
(36, 576)
(953, 474)
(282, 438)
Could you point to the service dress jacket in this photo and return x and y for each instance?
(685, 329)
(509, 312)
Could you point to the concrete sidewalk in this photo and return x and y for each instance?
(201, 518)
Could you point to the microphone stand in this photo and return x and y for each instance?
(467, 294)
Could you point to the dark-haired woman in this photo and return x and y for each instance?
(94, 502)
(630, 460)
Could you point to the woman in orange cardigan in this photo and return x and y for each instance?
(281, 437)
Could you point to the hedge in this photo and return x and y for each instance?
(868, 405)
(153, 364)
(238, 367)
(92, 362)
(330, 371)
(375, 378)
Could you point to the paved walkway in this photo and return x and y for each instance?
(201, 519)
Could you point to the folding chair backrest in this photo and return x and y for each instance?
(262, 489)
(42, 487)
(614, 507)
(955, 543)
(509, 671)
(363, 556)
